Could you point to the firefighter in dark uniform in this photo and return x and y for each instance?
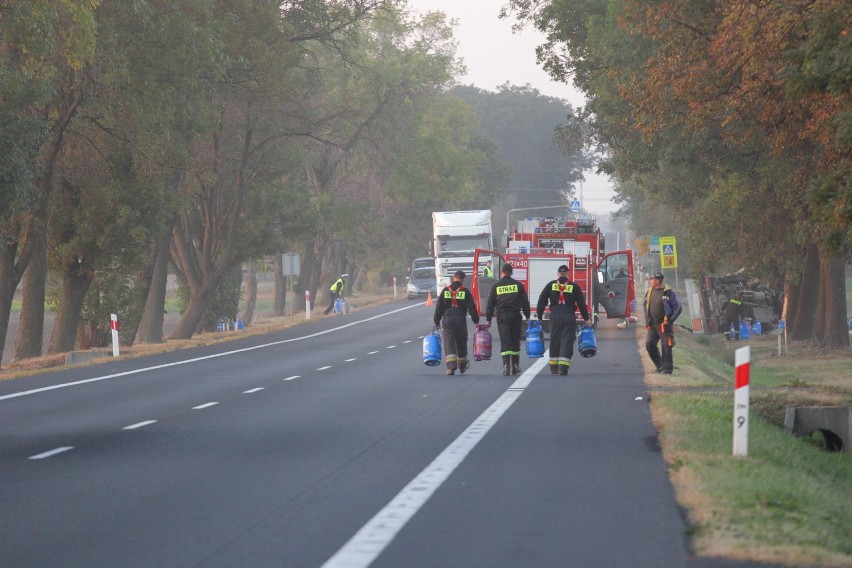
(454, 303)
(509, 299)
(731, 313)
(564, 297)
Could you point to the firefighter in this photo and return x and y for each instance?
(336, 291)
(731, 313)
(454, 303)
(564, 297)
(661, 310)
(509, 299)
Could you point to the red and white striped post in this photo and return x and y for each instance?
(113, 325)
(307, 304)
(741, 398)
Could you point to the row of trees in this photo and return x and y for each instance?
(727, 123)
(139, 137)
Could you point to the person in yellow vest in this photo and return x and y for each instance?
(508, 298)
(454, 303)
(336, 291)
(488, 272)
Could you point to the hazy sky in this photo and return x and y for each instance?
(494, 55)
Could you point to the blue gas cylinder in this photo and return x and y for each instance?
(756, 328)
(587, 344)
(732, 333)
(432, 349)
(220, 325)
(338, 306)
(745, 332)
(534, 340)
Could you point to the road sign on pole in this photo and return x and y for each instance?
(575, 206)
(668, 252)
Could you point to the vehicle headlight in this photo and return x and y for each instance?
(412, 287)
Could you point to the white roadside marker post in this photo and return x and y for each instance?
(741, 399)
(307, 304)
(113, 325)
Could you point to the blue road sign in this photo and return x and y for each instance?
(575, 206)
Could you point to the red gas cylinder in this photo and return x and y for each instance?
(481, 343)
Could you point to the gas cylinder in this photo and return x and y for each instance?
(432, 349)
(534, 339)
(338, 306)
(587, 344)
(745, 332)
(756, 328)
(481, 344)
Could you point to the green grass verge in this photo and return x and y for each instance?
(789, 501)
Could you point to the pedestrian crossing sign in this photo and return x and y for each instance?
(668, 252)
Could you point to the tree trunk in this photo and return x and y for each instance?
(251, 293)
(807, 302)
(8, 284)
(75, 284)
(791, 299)
(306, 279)
(280, 287)
(834, 333)
(30, 341)
(199, 299)
(151, 324)
(819, 316)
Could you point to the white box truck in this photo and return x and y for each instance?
(456, 234)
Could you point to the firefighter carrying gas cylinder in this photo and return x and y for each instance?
(454, 303)
(508, 298)
(564, 297)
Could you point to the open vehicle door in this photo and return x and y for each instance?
(481, 285)
(614, 286)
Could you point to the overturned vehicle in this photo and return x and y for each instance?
(707, 298)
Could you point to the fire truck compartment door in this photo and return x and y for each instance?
(615, 283)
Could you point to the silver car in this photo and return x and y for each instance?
(422, 282)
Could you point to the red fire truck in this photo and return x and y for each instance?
(536, 247)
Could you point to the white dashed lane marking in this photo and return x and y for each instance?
(253, 390)
(324, 368)
(205, 405)
(372, 352)
(293, 377)
(44, 455)
(352, 359)
(139, 425)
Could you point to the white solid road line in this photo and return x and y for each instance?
(196, 359)
(363, 548)
(205, 405)
(51, 453)
(139, 425)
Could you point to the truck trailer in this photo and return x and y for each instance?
(456, 235)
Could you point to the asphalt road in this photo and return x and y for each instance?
(332, 444)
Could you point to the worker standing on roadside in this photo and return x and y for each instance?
(488, 272)
(336, 291)
(661, 310)
(564, 297)
(454, 303)
(508, 298)
(731, 314)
